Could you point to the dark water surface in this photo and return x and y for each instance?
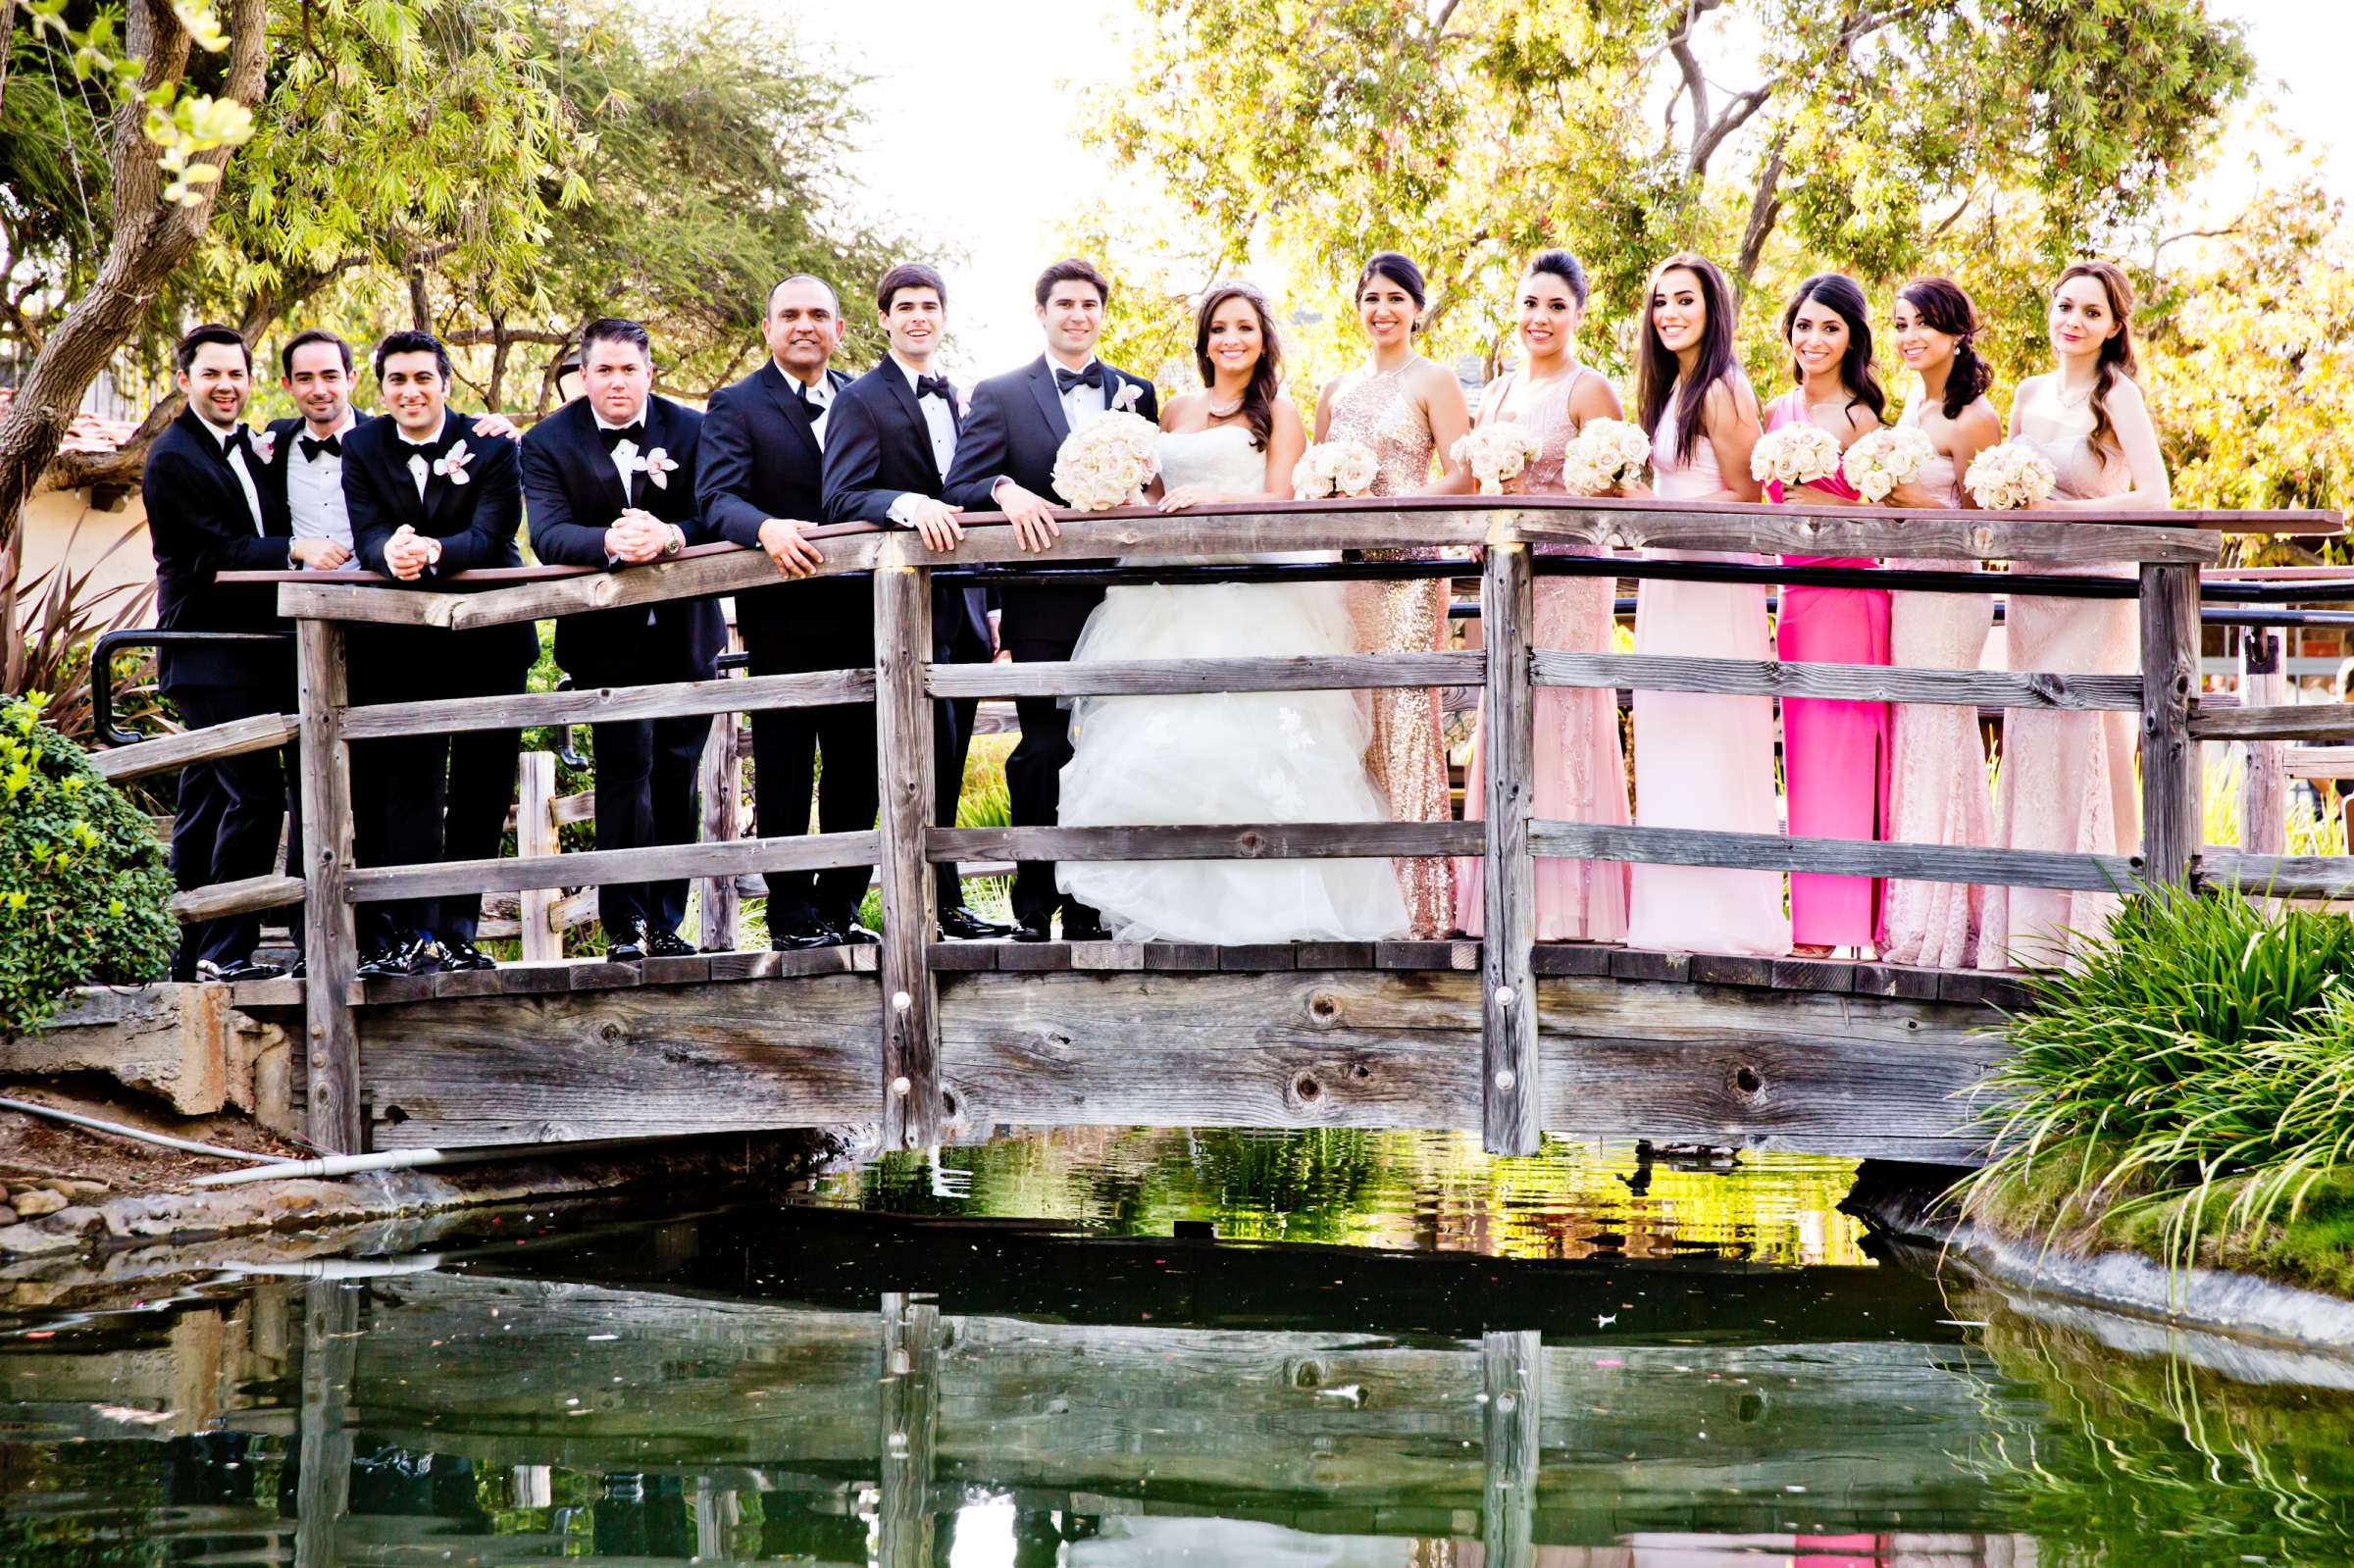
(1393, 1351)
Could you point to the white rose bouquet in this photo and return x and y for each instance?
(1495, 453)
(1108, 462)
(1882, 460)
(2008, 475)
(1803, 453)
(1606, 454)
(1335, 468)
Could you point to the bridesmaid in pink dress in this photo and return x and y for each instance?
(1700, 761)
(1581, 769)
(1939, 785)
(2066, 778)
(1834, 754)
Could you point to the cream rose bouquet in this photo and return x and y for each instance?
(1495, 453)
(1108, 462)
(2008, 475)
(1335, 468)
(1882, 460)
(1606, 454)
(1796, 454)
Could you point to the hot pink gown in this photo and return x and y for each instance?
(1937, 793)
(1580, 765)
(1834, 754)
(1703, 761)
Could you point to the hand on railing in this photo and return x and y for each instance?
(794, 556)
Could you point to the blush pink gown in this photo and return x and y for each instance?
(1834, 754)
(1703, 761)
(1580, 767)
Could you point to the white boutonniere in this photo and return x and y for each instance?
(1126, 397)
(265, 446)
(657, 464)
(452, 467)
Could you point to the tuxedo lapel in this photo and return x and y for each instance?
(1050, 401)
(896, 380)
(789, 403)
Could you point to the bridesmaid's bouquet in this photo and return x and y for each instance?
(2009, 476)
(1606, 454)
(1335, 468)
(1495, 453)
(1882, 460)
(1800, 453)
(1108, 462)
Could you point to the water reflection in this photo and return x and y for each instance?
(817, 1384)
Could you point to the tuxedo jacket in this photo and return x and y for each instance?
(285, 453)
(760, 459)
(198, 524)
(573, 493)
(1013, 430)
(476, 521)
(878, 446)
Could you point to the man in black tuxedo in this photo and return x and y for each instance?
(894, 434)
(1005, 463)
(609, 480)
(760, 478)
(429, 494)
(208, 511)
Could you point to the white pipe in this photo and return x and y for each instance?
(186, 1146)
(410, 1159)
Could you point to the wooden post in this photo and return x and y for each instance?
(2171, 827)
(330, 1341)
(911, 1114)
(723, 822)
(534, 835)
(1513, 1367)
(1510, 1102)
(2264, 782)
(331, 949)
(904, 1524)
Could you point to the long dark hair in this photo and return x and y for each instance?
(2116, 352)
(1259, 396)
(1398, 270)
(1946, 308)
(1561, 264)
(1657, 367)
(1844, 295)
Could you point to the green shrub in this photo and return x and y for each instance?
(86, 894)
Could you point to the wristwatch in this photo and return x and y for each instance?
(677, 540)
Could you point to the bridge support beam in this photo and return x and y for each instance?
(911, 1113)
(1511, 1097)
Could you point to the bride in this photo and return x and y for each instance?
(1240, 758)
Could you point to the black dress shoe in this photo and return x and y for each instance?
(801, 935)
(464, 955)
(234, 970)
(854, 934)
(1035, 929)
(411, 952)
(1084, 928)
(667, 945)
(962, 925)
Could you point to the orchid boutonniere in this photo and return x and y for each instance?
(1126, 397)
(657, 464)
(453, 465)
(265, 446)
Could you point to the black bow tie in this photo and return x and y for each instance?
(311, 448)
(1093, 375)
(813, 398)
(635, 433)
(935, 387)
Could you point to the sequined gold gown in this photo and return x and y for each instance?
(1408, 753)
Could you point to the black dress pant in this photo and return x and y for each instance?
(953, 741)
(648, 792)
(225, 824)
(796, 750)
(1033, 778)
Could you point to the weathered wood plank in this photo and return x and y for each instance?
(2319, 761)
(1568, 958)
(1334, 955)
(772, 964)
(1512, 1375)
(721, 782)
(1832, 975)
(1181, 957)
(2283, 876)
(242, 896)
(1852, 857)
(1894, 980)
(2264, 780)
(1733, 968)
(1642, 963)
(1257, 957)
(594, 866)
(613, 704)
(235, 739)
(1031, 958)
(535, 839)
(1354, 672)
(331, 937)
(964, 957)
(2327, 722)
(910, 1059)
(1785, 530)
(1858, 683)
(1266, 841)
(2170, 759)
(904, 1522)
(1110, 955)
(1509, 1059)
(1460, 955)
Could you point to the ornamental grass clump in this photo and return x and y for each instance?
(2188, 1092)
(85, 896)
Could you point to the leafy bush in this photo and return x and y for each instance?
(85, 892)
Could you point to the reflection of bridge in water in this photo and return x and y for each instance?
(1515, 1037)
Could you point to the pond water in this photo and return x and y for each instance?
(1147, 1348)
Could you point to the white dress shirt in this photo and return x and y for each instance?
(237, 466)
(315, 487)
(820, 398)
(421, 466)
(940, 422)
(1083, 404)
(625, 453)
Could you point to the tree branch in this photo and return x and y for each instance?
(1765, 210)
(491, 336)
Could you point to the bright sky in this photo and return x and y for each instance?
(972, 133)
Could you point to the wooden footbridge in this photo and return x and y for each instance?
(937, 1040)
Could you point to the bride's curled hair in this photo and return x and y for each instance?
(1259, 396)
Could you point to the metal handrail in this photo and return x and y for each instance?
(102, 663)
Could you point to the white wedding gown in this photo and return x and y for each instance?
(1234, 759)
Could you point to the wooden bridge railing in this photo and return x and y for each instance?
(2165, 549)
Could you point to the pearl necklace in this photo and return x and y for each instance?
(1222, 411)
